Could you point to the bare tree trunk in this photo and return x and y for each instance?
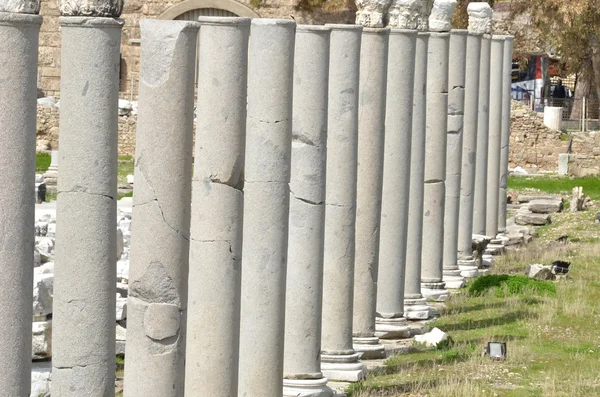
(583, 88)
(595, 105)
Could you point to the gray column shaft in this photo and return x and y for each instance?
(83, 339)
(18, 84)
(307, 204)
(505, 139)
(340, 212)
(396, 173)
(414, 239)
(371, 136)
(495, 132)
(456, 102)
(480, 191)
(435, 157)
(266, 207)
(157, 301)
(217, 209)
(467, 179)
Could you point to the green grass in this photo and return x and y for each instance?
(509, 285)
(42, 161)
(556, 185)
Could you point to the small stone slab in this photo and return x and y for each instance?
(526, 198)
(540, 272)
(525, 217)
(546, 206)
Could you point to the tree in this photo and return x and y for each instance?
(460, 19)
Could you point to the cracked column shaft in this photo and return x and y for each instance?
(339, 360)
(391, 319)
(217, 209)
(371, 136)
(456, 106)
(466, 263)
(266, 206)
(157, 301)
(480, 191)
(83, 354)
(302, 363)
(495, 133)
(435, 166)
(18, 77)
(505, 140)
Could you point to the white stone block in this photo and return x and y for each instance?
(120, 243)
(41, 342)
(121, 308)
(20, 6)
(480, 17)
(41, 378)
(120, 333)
(563, 163)
(432, 338)
(130, 179)
(440, 19)
(553, 117)
(42, 294)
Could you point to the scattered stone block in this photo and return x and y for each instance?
(41, 378)
(41, 342)
(42, 294)
(540, 272)
(546, 206)
(526, 198)
(433, 338)
(121, 308)
(577, 200)
(526, 217)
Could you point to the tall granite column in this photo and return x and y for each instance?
(216, 235)
(158, 273)
(433, 286)
(456, 106)
(495, 132)
(391, 316)
(371, 130)
(339, 360)
(19, 29)
(266, 206)
(466, 262)
(415, 306)
(83, 339)
(479, 14)
(304, 293)
(505, 138)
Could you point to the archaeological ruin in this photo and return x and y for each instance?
(302, 194)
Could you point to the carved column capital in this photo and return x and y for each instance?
(404, 14)
(423, 19)
(440, 19)
(20, 6)
(480, 18)
(371, 12)
(91, 8)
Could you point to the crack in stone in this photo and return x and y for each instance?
(302, 139)
(305, 200)
(215, 179)
(434, 181)
(80, 365)
(266, 121)
(163, 217)
(86, 192)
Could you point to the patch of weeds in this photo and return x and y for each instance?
(557, 185)
(510, 285)
(42, 161)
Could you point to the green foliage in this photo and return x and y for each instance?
(42, 161)
(557, 185)
(508, 285)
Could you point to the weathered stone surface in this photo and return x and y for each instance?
(440, 19)
(41, 379)
(121, 308)
(526, 198)
(577, 199)
(20, 6)
(41, 346)
(161, 321)
(42, 294)
(404, 14)
(91, 8)
(433, 338)
(480, 17)
(546, 206)
(424, 12)
(505, 138)
(540, 272)
(371, 12)
(525, 217)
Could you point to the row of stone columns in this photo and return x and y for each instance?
(334, 169)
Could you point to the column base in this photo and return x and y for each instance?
(343, 367)
(416, 309)
(369, 347)
(435, 291)
(392, 328)
(453, 279)
(307, 388)
(468, 268)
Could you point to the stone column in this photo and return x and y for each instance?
(371, 130)
(505, 140)
(494, 138)
(19, 29)
(415, 306)
(391, 316)
(266, 206)
(435, 150)
(480, 20)
(302, 358)
(83, 351)
(216, 235)
(456, 102)
(158, 271)
(466, 263)
(339, 361)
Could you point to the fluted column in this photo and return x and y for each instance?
(371, 130)
(158, 278)
(339, 359)
(83, 338)
(435, 150)
(217, 209)
(466, 263)
(456, 107)
(415, 306)
(304, 292)
(19, 30)
(266, 206)
(505, 139)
